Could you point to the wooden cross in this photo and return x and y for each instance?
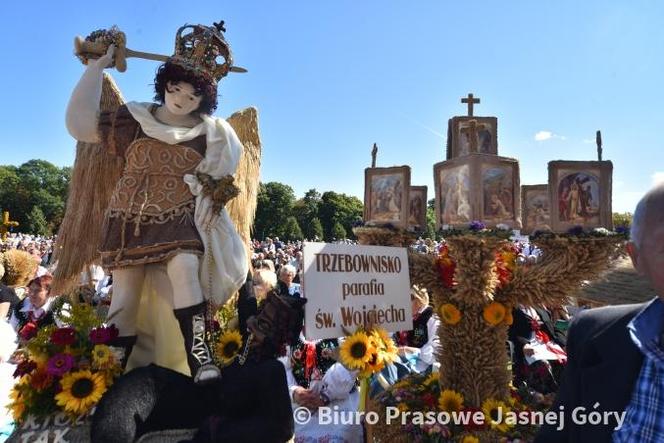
(470, 100)
(598, 140)
(374, 151)
(471, 131)
(6, 225)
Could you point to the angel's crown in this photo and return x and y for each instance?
(204, 50)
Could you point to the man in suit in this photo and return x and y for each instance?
(616, 353)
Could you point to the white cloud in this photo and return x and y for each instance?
(589, 141)
(658, 177)
(547, 135)
(543, 135)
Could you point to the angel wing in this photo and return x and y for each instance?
(242, 208)
(93, 180)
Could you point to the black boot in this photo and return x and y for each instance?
(192, 326)
(126, 344)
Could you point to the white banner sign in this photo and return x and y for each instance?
(350, 286)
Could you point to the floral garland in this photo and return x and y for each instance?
(66, 369)
(422, 393)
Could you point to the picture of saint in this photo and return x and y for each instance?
(417, 208)
(455, 195)
(386, 196)
(498, 195)
(578, 198)
(537, 210)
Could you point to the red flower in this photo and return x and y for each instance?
(446, 267)
(41, 380)
(28, 331)
(429, 400)
(63, 336)
(104, 335)
(24, 367)
(474, 424)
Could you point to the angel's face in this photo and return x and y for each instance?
(181, 98)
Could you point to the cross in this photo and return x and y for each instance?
(598, 140)
(471, 101)
(471, 131)
(374, 151)
(6, 225)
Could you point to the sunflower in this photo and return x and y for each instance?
(228, 346)
(450, 314)
(102, 357)
(356, 350)
(17, 404)
(385, 344)
(494, 414)
(80, 391)
(470, 439)
(431, 379)
(494, 313)
(375, 364)
(450, 401)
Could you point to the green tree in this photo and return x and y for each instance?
(315, 230)
(431, 220)
(37, 222)
(622, 219)
(291, 230)
(306, 209)
(338, 232)
(274, 206)
(339, 208)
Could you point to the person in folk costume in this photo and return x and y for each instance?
(166, 207)
(418, 347)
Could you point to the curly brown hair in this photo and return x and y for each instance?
(171, 72)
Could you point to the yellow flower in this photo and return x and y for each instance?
(450, 401)
(470, 439)
(81, 390)
(495, 412)
(386, 347)
(102, 357)
(17, 404)
(431, 379)
(508, 317)
(229, 346)
(494, 313)
(450, 314)
(403, 407)
(355, 352)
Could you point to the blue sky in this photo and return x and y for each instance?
(330, 78)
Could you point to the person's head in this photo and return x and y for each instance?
(183, 92)
(39, 290)
(264, 281)
(277, 324)
(287, 274)
(419, 297)
(646, 246)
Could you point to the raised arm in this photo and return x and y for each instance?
(83, 108)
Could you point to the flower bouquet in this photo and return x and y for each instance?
(66, 369)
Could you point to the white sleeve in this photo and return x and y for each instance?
(338, 382)
(290, 379)
(427, 352)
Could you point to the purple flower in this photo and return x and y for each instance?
(576, 230)
(622, 230)
(476, 225)
(60, 364)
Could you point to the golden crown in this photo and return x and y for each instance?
(204, 50)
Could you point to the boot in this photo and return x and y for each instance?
(126, 344)
(192, 326)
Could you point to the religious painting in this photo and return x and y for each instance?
(453, 194)
(580, 194)
(417, 212)
(535, 208)
(386, 196)
(500, 191)
(473, 135)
